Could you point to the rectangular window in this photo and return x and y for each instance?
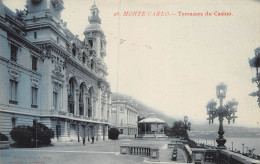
(35, 35)
(34, 97)
(13, 122)
(57, 40)
(55, 100)
(90, 43)
(13, 92)
(34, 63)
(14, 50)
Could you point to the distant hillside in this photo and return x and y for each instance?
(211, 131)
(197, 130)
(143, 109)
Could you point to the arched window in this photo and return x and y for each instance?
(74, 49)
(84, 58)
(90, 99)
(71, 85)
(92, 64)
(81, 100)
(71, 96)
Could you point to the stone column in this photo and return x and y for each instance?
(66, 95)
(99, 105)
(76, 108)
(99, 132)
(94, 108)
(106, 132)
(96, 132)
(85, 104)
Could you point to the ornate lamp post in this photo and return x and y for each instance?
(186, 123)
(255, 64)
(228, 110)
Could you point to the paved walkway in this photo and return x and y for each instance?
(106, 152)
(166, 153)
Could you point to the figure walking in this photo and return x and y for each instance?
(83, 141)
(92, 138)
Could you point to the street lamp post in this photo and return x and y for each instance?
(232, 146)
(228, 110)
(255, 63)
(187, 124)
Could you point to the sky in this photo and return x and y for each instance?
(173, 63)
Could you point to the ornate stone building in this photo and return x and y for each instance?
(124, 114)
(50, 76)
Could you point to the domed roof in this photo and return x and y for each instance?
(152, 119)
(93, 27)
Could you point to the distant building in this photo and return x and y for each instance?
(49, 75)
(124, 115)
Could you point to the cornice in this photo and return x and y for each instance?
(13, 64)
(20, 38)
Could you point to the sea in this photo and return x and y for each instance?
(249, 143)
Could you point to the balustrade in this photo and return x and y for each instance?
(146, 151)
(139, 150)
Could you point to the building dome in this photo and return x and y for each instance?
(152, 119)
(93, 27)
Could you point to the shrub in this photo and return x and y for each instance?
(113, 133)
(27, 136)
(22, 136)
(3, 137)
(44, 134)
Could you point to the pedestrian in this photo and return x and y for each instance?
(83, 141)
(92, 138)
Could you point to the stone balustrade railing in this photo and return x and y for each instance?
(228, 157)
(146, 151)
(202, 155)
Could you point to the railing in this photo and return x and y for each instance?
(228, 157)
(139, 150)
(187, 153)
(203, 155)
(145, 151)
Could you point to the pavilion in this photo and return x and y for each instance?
(151, 127)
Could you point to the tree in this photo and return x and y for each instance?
(179, 129)
(113, 133)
